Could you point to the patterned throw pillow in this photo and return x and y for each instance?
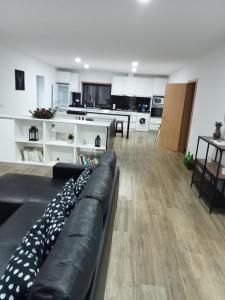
(59, 205)
(24, 265)
(81, 182)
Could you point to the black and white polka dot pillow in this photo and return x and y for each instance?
(58, 206)
(24, 265)
(81, 181)
(54, 228)
(57, 212)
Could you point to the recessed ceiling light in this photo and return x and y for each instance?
(134, 64)
(87, 66)
(78, 60)
(144, 1)
(134, 70)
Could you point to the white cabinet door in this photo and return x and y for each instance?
(74, 82)
(140, 87)
(148, 87)
(63, 77)
(137, 86)
(130, 86)
(159, 86)
(7, 137)
(144, 87)
(118, 85)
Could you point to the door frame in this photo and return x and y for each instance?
(192, 109)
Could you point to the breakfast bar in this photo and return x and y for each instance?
(117, 114)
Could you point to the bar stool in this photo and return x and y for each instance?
(119, 130)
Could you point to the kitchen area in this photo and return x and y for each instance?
(136, 101)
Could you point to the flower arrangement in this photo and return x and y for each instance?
(43, 113)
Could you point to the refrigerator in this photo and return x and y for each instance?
(62, 96)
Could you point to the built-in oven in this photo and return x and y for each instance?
(156, 112)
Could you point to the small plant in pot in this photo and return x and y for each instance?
(217, 133)
(70, 138)
(189, 161)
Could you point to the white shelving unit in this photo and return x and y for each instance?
(53, 140)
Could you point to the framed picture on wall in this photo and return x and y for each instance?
(20, 80)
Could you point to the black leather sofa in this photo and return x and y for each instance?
(77, 266)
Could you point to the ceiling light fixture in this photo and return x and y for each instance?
(134, 64)
(144, 1)
(87, 66)
(78, 60)
(134, 70)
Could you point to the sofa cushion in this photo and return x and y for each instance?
(14, 229)
(109, 158)
(99, 186)
(19, 188)
(68, 270)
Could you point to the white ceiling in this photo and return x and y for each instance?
(162, 35)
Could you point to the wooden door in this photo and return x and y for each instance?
(187, 114)
(172, 116)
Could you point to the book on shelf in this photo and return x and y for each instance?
(32, 154)
(87, 159)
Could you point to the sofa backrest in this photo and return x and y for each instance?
(99, 186)
(109, 158)
(68, 270)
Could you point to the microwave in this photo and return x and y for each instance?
(157, 100)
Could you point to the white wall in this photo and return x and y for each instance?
(19, 102)
(96, 76)
(210, 98)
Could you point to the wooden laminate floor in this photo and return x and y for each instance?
(165, 244)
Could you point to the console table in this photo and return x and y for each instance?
(53, 144)
(209, 174)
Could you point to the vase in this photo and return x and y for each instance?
(217, 133)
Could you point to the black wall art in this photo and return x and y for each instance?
(20, 80)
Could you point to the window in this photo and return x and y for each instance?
(96, 95)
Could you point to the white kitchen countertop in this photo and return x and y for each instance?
(62, 118)
(103, 111)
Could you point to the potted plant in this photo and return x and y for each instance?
(217, 133)
(70, 138)
(189, 161)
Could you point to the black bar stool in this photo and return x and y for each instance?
(119, 130)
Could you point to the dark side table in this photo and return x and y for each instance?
(210, 172)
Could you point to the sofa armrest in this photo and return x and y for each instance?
(67, 170)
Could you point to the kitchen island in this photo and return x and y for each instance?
(53, 144)
(130, 118)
